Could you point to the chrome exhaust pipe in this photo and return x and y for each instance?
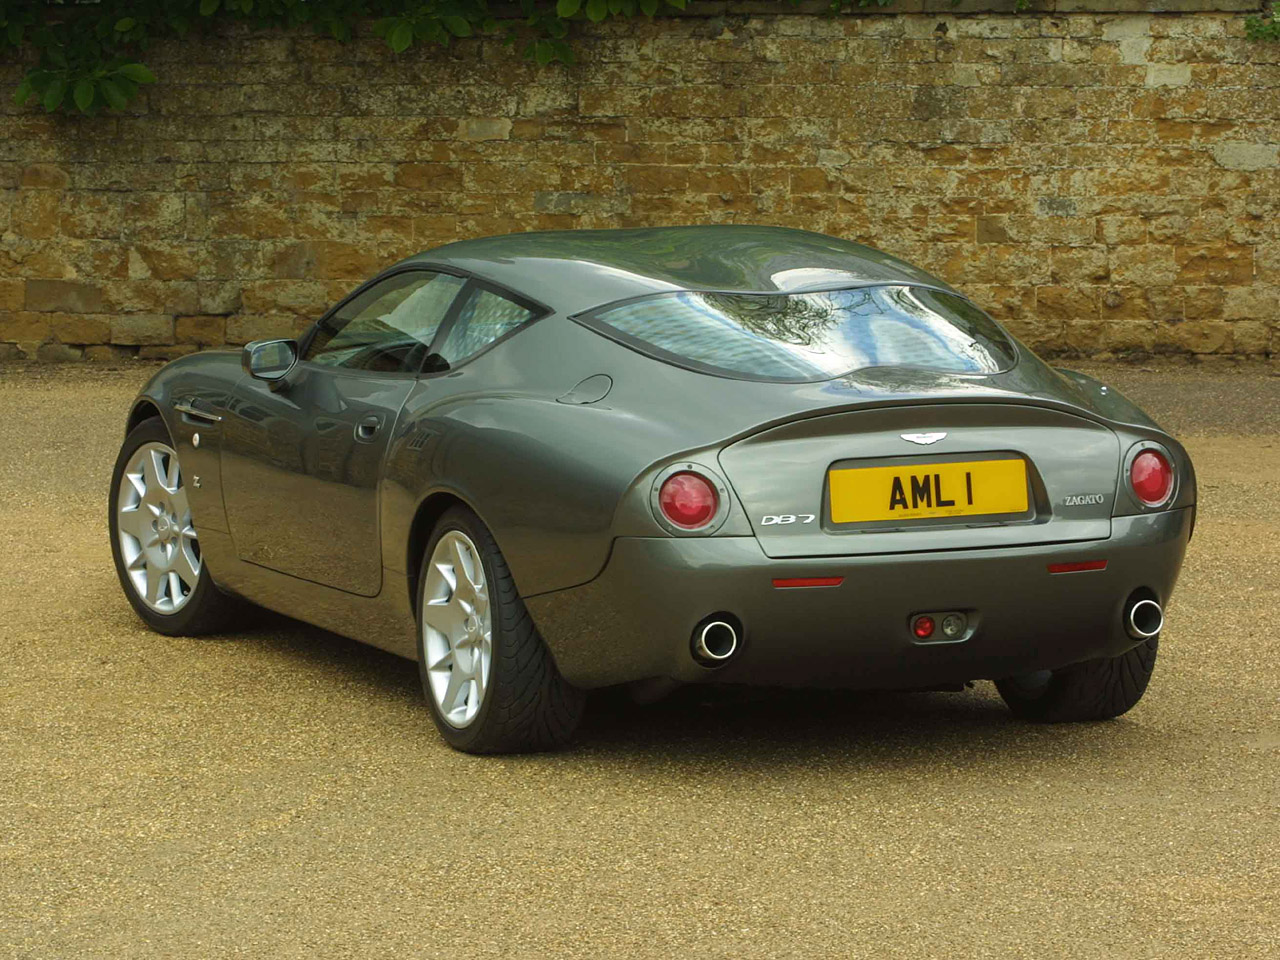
(714, 642)
(1143, 620)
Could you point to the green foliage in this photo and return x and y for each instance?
(1264, 28)
(112, 85)
(87, 55)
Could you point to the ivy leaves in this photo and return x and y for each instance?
(89, 53)
(109, 86)
(15, 20)
(433, 23)
(548, 23)
(1264, 28)
(554, 22)
(597, 10)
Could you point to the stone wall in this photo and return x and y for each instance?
(1104, 183)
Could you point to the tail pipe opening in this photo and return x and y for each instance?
(1143, 618)
(716, 639)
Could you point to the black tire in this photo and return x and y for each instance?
(527, 706)
(1093, 690)
(207, 609)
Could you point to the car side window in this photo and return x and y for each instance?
(389, 327)
(484, 318)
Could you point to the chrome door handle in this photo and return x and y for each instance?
(368, 428)
(196, 412)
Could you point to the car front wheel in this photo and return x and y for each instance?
(489, 679)
(1094, 690)
(154, 541)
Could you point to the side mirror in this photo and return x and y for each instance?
(269, 360)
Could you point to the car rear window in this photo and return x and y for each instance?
(798, 337)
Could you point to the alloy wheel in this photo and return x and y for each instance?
(158, 542)
(457, 628)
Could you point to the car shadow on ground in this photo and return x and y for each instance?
(783, 727)
(726, 725)
(383, 675)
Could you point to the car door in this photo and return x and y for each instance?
(302, 458)
(448, 439)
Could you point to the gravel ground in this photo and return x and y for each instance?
(280, 792)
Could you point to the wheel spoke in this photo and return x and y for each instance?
(173, 478)
(136, 523)
(155, 584)
(185, 566)
(457, 556)
(152, 471)
(464, 565)
(445, 617)
(181, 509)
(137, 483)
(445, 659)
(455, 689)
(445, 570)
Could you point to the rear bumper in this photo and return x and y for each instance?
(634, 621)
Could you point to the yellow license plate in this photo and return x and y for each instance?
(925, 490)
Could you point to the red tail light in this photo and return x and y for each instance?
(688, 500)
(1151, 477)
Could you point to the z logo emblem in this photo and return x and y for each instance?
(923, 438)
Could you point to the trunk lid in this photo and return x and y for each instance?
(783, 477)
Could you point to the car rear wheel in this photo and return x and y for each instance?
(154, 541)
(489, 679)
(1093, 690)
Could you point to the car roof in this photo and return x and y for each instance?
(575, 270)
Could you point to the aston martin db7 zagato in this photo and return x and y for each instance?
(550, 462)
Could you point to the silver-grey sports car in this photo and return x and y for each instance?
(550, 462)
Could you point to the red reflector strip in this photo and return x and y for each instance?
(1078, 566)
(807, 581)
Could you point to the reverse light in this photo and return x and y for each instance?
(688, 500)
(1151, 478)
